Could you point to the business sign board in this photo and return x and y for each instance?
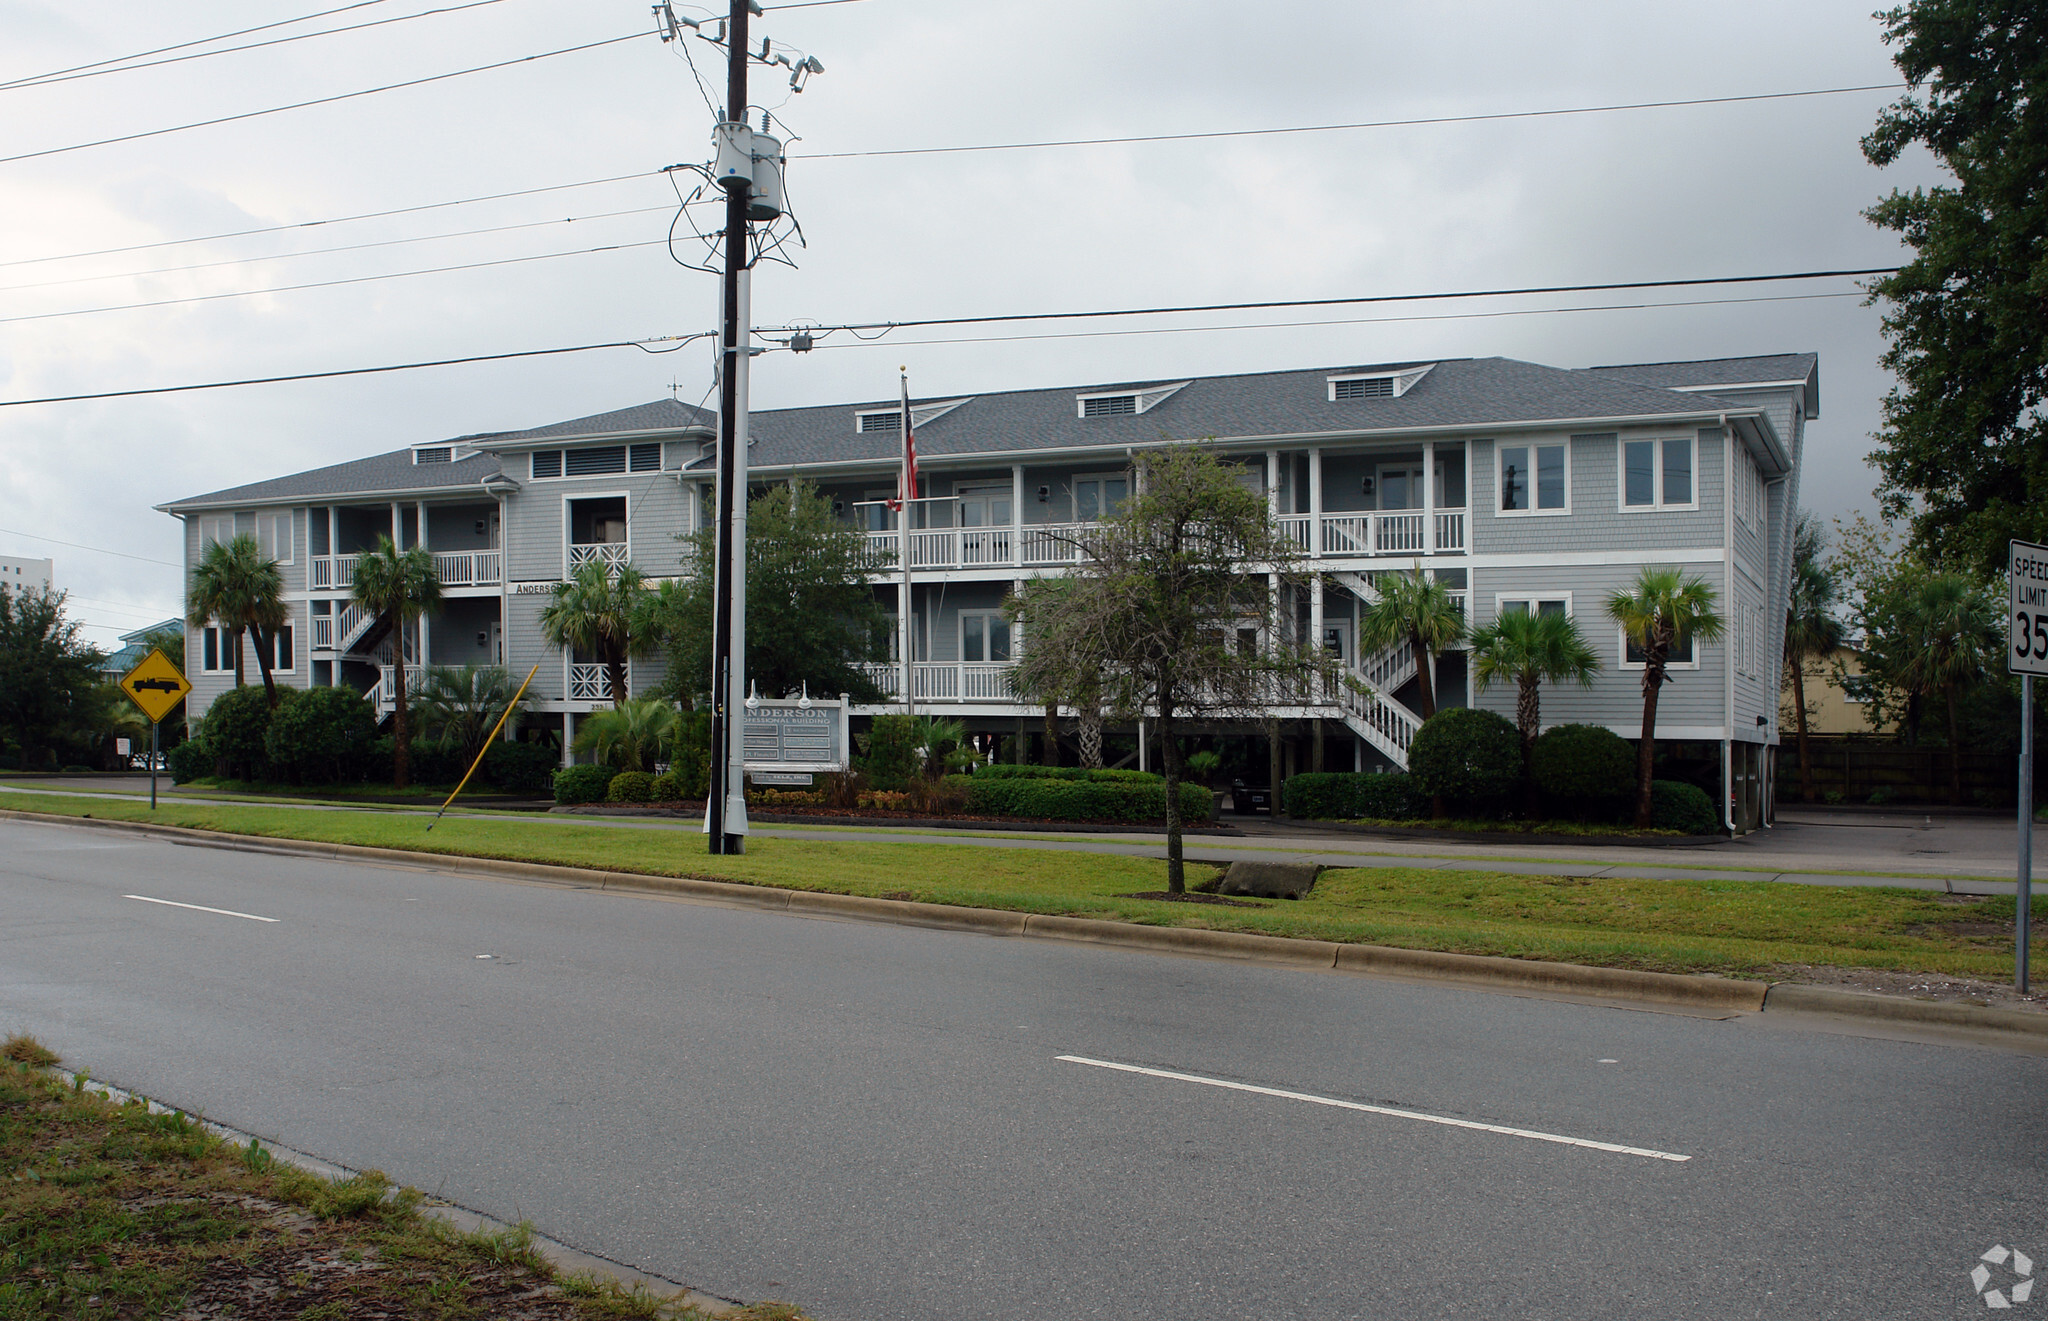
(2026, 618)
(794, 737)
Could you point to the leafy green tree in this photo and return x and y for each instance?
(1162, 596)
(1660, 609)
(460, 706)
(812, 618)
(1059, 665)
(48, 672)
(1416, 610)
(602, 611)
(1964, 446)
(1955, 634)
(1531, 649)
(1812, 631)
(398, 586)
(633, 736)
(237, 587)
(1877, 575)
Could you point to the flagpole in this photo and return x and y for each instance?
(908, 486)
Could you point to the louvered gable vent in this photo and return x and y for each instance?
(1125, 403)
(1376, 385)
(432, 454)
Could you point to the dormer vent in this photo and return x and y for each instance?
(1124, 403)
(433, 454)
(1376, 385)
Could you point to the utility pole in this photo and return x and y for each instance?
(726, 821)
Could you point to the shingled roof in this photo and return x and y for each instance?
(394, 474)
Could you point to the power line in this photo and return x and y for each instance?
(1338, 128)
(324, 100)
(350, 247)
(97, 550)
(203, 41)
(679, 341)
(338, 220)
(51, 80)
(332, 284)
(1273, 304)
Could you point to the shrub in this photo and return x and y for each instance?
(668, 788)
(189, 761)
(1584, 767)
(630, 787)
(235, 727)
(521, 768)
(1064, 798)
(889, 752)
(1678, 806)
(1347, 795)
(1466, 755)
(321, 736)
(583, 784)
(692, 764)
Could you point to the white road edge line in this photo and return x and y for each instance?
(1501, 1129)
(201, 908)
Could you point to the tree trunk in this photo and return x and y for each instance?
(1955, 751)
(1315, 746)
(238, 658)
(1169, 767)
(1646, 747)
(401, 751)
(1425, 682)
(1799, 715)
(1274, 757)
(1091, 736)
(615, 675)
(263, 653)
(1528, 720)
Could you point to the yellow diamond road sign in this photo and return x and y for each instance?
(156, 686)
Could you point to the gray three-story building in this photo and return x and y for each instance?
(1520, 486)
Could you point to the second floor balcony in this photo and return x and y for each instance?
(460, 568)
(1406, 532)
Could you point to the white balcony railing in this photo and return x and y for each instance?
(385, 693)
(613, 553)
(468, 568)
(592, 683)
(944, 682)
(332, 573)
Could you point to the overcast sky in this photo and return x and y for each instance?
(1649, 194)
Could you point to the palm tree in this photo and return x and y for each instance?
(633, 735)
(1811, 633)
(460, 706)
(236, 587)
(1532, 648)
(1420, 612)
(596, 611)
(397, 586)
(1659, 610)
(1955, 630)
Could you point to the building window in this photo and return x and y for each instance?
(1681, 653)
(1533, 478)
(274, 537)
(1099, 497)
(215, 530)
(1658, 474)
(984, 638)
(1542, 605)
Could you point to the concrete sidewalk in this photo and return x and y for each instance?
(1963, 854)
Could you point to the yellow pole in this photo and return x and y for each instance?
(487, 742)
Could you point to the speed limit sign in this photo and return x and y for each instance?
(2026, 646)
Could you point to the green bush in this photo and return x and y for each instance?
(1678, 806)
(521, 768)
(189, 761)
(1584, 768)
(236, 724)
(321, 736)
(668, 787)
(1467, 755)
(630, 787)
(1064, 798)
(889, 752)
(1005, 771)
(583, 784)
(692, 764)
(1348, 795)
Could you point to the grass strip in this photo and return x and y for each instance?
(113, 1209)
(1734, 927)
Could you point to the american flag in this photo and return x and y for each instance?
(908, 490)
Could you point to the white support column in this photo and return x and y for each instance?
(1273, 483)
(397, 526)
(419, 529)
(1017, 513)
(568, 736)
(1315, 513)
(1141, 744)
(334, 531)
(1315, 614)
(1429, 497)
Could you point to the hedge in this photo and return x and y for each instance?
(1675, 805)
(1468, 755)
(235, 726)
(1076, 798)
(521, 768)
(322, 736)
(1349, 795)
(1585, 767)
(668, 788)
(583, 784)
(189, 761)
(1006, 771)
(630, 787)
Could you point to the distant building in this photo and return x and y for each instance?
(18, 573)
(134, 648)
(1830, 710)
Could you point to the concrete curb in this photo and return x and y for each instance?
(1481, 972)
(1424, 834)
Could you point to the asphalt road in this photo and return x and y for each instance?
(878, 1122)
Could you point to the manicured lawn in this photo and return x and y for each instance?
(1744, 928)
(109, 1210)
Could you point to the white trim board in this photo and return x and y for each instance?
(1547, 559)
